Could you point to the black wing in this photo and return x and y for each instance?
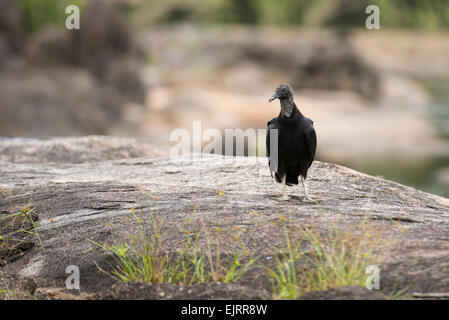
(311, 142)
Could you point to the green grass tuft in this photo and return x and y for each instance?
(198, 259)
(313, 261)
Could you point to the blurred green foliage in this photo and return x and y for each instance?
(416, 14)
(37, 13)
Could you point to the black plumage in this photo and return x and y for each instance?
(296, 141)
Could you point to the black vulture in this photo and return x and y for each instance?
(293, 142)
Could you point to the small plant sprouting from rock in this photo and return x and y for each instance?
(197, 259)
(15, 229)
(310, 260)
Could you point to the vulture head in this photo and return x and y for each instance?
(283, 92)
(285, 95)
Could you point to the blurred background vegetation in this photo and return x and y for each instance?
(140, 68)
(414, 14)
(38, 13)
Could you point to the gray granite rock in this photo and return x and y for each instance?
(78, 188)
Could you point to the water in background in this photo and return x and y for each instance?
(433, 175)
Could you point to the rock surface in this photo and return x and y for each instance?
(79, 188)
(345, 293)
(74, 150)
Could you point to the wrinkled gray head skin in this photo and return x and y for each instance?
(283, 92)
(285, 95)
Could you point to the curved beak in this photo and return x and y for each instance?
(274, 96)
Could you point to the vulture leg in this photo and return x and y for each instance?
(306, 193)
(284, 196)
